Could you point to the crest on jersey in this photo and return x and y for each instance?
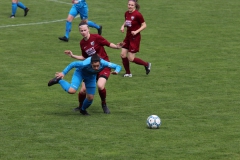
(92, 43)
(132, 17)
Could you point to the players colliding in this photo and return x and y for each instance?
(86, 71)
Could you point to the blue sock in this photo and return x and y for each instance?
(14, 8)
(92, 24)
(86, 104)
(68, 28)
(65, 85)
(21, 5)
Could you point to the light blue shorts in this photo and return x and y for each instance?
(83, 11)
(89, 80)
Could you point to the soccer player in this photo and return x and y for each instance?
(135, 23)
(85, 70)
(91, 44)
(15, 4)
(78, 7)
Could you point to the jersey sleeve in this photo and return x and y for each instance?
(75, 64)
(111, 65)
(102, 41)
(140, 18)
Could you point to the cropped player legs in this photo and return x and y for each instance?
(15, 4)
(101, 90)
(132, 58)
(68, 25)
(128, 53)
(88, 100)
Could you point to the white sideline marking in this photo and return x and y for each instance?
(59, 2)
(29, 24)
(38, 23)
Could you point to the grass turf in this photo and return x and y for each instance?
(193, 86)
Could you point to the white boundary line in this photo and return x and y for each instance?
(59, 2)
(29, 24)
(38, 23)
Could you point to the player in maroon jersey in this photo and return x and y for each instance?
(91, 44)
(135, 23)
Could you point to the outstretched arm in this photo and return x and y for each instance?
(70, 54)
(71, 66)
(116, 46)
(112, 66)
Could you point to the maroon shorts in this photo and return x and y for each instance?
(105, 73)
(132, 43)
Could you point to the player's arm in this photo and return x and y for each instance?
(70, 54)
(105, 42)
(143, 26)
(116, 46)
(122, 27)
(72, 65)
(74, 1)
(112, 66)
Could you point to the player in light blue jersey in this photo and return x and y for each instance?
(78, 7)
(86, 71)
(15, 4)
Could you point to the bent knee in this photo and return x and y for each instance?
(90, 97)
(71, 91)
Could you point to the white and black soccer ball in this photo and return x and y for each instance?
(153, 122)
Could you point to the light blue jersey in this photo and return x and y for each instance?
(84, 71)
(86, 68)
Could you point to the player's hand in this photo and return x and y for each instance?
(59, 74)
(120, 44)
(114, 72)
(69, 53)
(74, 1)
(122, 29)
(134, 33)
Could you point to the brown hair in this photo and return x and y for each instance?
(83, 22)
(136, 4)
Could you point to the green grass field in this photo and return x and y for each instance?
(193, 85)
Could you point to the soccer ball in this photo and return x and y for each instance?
(153, 122)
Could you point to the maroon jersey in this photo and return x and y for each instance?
(95, 44)
(133, 21)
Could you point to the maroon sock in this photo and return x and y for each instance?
(125, 63)
(140, 62)
(81, 98)
(103, 94)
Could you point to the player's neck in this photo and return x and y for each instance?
(132, 11)
(87, 37)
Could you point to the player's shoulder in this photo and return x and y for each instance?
(95, 37)
(136, 12)
(87, 61)
(92, 35)
(82, 41)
